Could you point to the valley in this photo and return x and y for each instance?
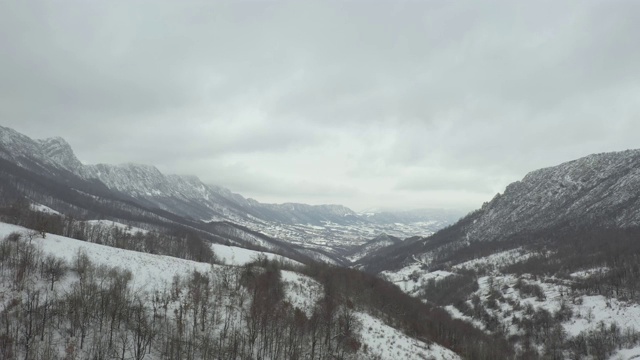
(548, 269)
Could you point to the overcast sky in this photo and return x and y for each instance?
(384, 104)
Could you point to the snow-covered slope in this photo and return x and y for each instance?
(32, 154)
(156, 279)
(389, 343)
(233, 255)
(151, 271)
(600, 190)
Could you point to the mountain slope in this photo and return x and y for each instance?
(601, 190)
(317, 229)
(212, 309)
(552, 263)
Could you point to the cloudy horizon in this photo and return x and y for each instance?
(393, 105)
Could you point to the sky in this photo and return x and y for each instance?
(370, 104)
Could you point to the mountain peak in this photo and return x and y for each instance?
(53, 151)
(59, 150)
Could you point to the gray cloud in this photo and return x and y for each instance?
(414, 104)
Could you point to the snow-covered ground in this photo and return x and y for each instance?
(496, 260)
(457, 314)
(411, 278)
(150, 271)
(233, 255)
(43, 208)
(627, 354)
(391, 344)
(380, 339)
(589, 272)
(301, 291)
(588, 311)
(110, 224)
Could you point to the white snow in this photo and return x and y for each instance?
(156, 271)
(44, 209)
(411, 278)
(627, 354)
(457, 314)
(150, 271)
(391, 344)
(239, 256)
(586, 273)
(110, 224)
(593, 310)
(499, 259)
(301, 291)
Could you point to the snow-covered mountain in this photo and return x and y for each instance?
(600, 188)
(35, 154)
(182, 195)
(189, 197)
(597, 190)
(552, 263)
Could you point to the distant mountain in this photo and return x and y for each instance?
(47, 174)
(601, 190)
(323, 230)
(182, 195)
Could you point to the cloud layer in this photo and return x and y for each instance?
(370, 104)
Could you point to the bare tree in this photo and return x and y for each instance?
(54, 269)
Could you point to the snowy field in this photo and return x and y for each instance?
(150, 271)
(232, 255)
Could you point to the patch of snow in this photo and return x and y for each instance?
(391, 344)
(587, 273)
(457, 314)
(108, 223)
(411, 278)
(150, 271)
(301, 291)
(627, 354)
(499, 259)
(44, 209)
(239, 256)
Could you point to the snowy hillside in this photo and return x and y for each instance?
(233, 255)
(600, 188)
(485, 293)
(550, 264)
(181, 285)
(151, 271)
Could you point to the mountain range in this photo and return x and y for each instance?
(332, 230)
(549, 266)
